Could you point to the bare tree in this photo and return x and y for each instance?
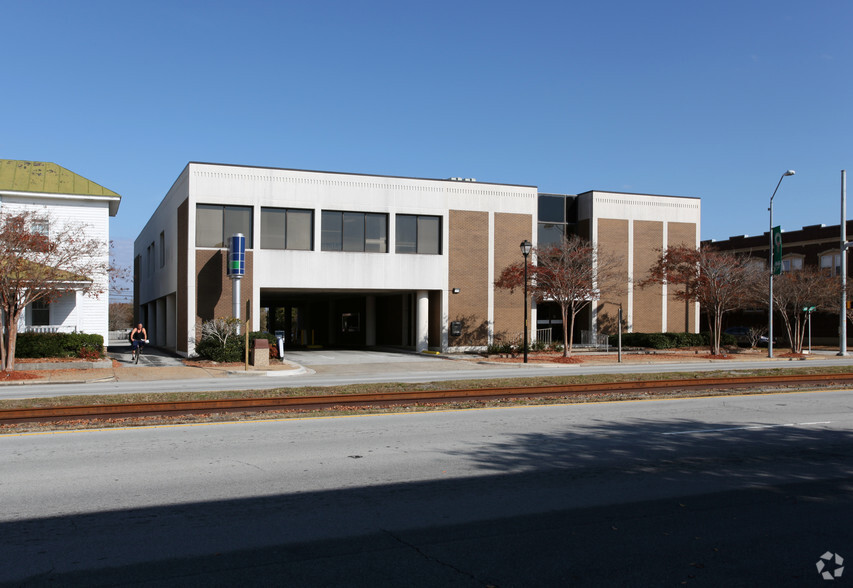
(568, 274)
(801, 289)
(42, 258)
(719, 281)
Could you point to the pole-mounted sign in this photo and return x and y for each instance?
(777, 251)
(235, 268)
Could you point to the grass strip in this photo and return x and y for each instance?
(94, 400)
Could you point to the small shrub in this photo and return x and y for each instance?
(37, 345)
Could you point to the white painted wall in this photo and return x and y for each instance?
(91, 312)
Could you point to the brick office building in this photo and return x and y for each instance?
(817, 246)
(365, 260)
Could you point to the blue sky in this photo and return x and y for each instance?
(708, 99)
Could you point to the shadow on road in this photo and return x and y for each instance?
(618, 504)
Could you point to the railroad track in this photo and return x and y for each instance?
(306, 403)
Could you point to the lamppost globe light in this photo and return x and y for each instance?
(790, 172)
(526, 246)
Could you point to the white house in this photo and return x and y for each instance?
(63, 197)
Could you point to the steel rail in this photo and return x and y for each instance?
(18, 415)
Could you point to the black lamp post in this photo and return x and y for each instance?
(525, 251)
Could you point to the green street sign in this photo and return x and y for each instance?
(777, 250)
(809, 308)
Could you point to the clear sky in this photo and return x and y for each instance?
(709, 99)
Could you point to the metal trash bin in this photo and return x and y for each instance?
(279, 340)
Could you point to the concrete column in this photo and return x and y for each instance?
(370, 321)
(422, 322)
(171, 320)
(160, 328)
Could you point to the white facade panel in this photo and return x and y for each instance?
(84, 313)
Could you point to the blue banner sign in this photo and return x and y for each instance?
(236, 266)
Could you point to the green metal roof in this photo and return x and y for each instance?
(46, 178)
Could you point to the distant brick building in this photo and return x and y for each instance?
(816, 246)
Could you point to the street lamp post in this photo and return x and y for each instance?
(790, 172)
(525, 251)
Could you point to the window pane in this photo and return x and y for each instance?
(550, 234)
(238, 219)
(272, 228)
(331, 238)
(353, 231)
(376, 232)
(552, 208)
(208, 226)
(407, 234)
(429, 235)
(299, 229)
(40, 311)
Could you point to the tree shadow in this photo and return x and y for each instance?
(556, 497)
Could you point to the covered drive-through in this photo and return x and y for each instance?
(407, 319)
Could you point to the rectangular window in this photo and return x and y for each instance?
(418, 234)
(354, 231)
(162, 248)
(40, 311)
(215, 224)
(353, 236)
(552, 208)
(300, 230)
(407, 233)
(283, 228)
(376, 232)
(792, 264)
(831, 263)
(332, 231)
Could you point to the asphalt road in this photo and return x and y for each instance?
(734, 491)
(370, 367)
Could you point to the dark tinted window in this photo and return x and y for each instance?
(552, 208)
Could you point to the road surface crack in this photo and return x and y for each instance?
(427, 557)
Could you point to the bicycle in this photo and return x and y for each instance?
(135, 353)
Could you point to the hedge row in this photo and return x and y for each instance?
(36, 345)
(669, 340)
(234, 350)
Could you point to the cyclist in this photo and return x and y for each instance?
(138, 339)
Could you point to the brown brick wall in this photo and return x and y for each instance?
(510, 231)
(613, 241)
(468, 263)
(680, 313)
(648, 301)
(182, 300)
(213, 286)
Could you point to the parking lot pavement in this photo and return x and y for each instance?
(356, 357)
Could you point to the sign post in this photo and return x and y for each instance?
(809, 310)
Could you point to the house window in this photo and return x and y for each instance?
(418, 234)
(215, 224)
(354, 231)
(162, 248)
(41, 227)
(831, 263)
(792, 264)
(40, 313)
(287, 228)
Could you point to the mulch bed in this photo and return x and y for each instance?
(17, 375)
